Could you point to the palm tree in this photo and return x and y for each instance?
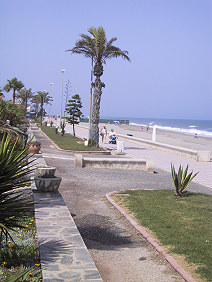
(43, 98)
(99, 50)
(35, 101)
(25, 95)
(13, 84)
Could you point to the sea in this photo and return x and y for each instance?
(199, 127)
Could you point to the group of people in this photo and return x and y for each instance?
(112, 135)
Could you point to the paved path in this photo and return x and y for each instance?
(63, 254)
(160, 159)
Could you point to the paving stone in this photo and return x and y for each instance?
(67, 260)
(75, 240)
(71, 275)
(47, 274)
(52, 267)
(91, 274)
(70, 231)
(83, 256)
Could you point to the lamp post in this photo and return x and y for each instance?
(42, 102)
(51, 83)
(63, 70)
(90, 99)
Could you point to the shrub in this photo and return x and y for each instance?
(181, 180)
(14, 172)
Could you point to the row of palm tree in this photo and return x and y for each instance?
(26, 95)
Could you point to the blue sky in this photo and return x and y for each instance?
(169, 43)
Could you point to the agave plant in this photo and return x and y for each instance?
(14, 174)
(181, 179)
(62, 127)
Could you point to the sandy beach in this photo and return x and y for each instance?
(163, 136)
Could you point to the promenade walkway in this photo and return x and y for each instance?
(63, 254)
(160, 159)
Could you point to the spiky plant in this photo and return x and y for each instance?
(99, 50)
(15, 168)
(181, 179)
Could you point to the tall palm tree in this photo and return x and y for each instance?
(36, 102)
(99, 50)
(44, 98)
(15, 85)
(25, 95)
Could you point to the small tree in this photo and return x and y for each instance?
(73, 109)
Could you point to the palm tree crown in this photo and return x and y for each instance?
(15, 85)
(97, 47)
(25, 95)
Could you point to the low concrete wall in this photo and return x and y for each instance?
(113, 163)
(201, 156)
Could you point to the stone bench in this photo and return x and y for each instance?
(113, 163)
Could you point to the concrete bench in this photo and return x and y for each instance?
(113, 163)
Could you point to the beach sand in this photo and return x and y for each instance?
(163, 136)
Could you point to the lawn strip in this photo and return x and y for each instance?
(182, 224)
(68, 141)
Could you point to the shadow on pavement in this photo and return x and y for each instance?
(98, 232)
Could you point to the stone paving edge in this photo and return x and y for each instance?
(147, 236)
(106, 152)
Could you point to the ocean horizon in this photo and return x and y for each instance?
(187, 126)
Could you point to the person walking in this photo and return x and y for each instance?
(103, 133)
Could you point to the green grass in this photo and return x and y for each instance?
(21, 255)
(182, 224)
(67, 142)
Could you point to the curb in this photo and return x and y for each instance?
(185, 275)
(81, 152)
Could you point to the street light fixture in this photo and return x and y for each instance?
(63, 70)
(51, 83)
(89, 137)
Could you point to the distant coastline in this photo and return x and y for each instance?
(191, 127)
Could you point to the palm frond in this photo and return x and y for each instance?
(97, 47)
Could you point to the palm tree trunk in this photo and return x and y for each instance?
(73, 130)
(26, 107)
(94, 130)
(13, 96)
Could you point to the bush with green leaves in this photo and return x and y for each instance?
(15, 168)
(181, 179)
(13, 113)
